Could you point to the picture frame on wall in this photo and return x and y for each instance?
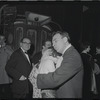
(18, 36)
(32, 34)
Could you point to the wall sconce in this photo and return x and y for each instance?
(37, 19)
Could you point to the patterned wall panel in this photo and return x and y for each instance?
(32, 34)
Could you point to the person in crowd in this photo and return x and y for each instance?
(88, 64)
(49, 62)
(5, 80)
(36, 58)
(97, 56)
(19, 68)
(97, 60)
(67, 79)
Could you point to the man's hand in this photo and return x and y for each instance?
(22, 78)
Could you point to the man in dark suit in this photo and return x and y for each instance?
(67, 79)
(19, 68)
(88, 63)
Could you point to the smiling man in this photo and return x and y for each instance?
(19, 67)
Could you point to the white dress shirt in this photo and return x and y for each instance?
(26, 55)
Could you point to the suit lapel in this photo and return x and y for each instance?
(25, 56)
(68, 50)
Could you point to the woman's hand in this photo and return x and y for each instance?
(35, 73)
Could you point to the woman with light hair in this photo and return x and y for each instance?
(49, 62)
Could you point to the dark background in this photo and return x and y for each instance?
(82, 25)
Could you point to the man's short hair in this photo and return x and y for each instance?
(63, 34)
(24, 38)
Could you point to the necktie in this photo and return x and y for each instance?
(27, 56)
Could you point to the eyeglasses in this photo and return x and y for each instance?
(26, 43)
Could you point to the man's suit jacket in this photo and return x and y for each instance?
(17, 66)
(67, 78)
(35, 59)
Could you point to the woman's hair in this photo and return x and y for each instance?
(54, 52)
(98, 46)
(84, 45)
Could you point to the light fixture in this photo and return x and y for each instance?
(37, 19)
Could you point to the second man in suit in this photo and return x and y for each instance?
(19, 67)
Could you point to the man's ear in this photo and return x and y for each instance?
(65, 39)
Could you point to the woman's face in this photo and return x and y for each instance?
(48, 52)
(88, 49)
(97, 50)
